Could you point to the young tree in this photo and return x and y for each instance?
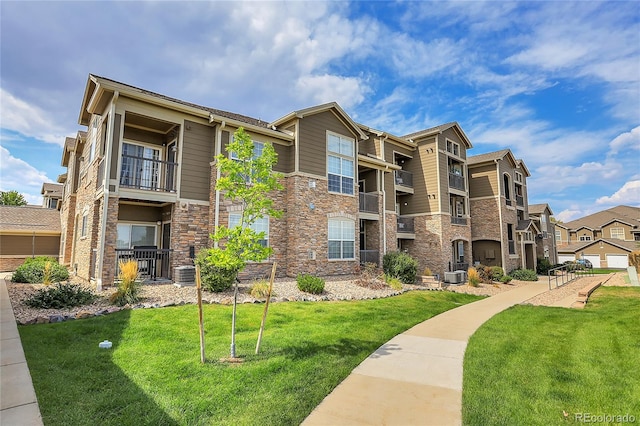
(246, 179)
(12, 198)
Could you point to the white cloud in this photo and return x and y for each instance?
(30, 120)
(628, 195)
(347, 91)
(568, 215)
(18, 175)
(626, 141)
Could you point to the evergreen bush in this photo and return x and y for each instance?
(216, 276)
(310, 284)
(524, 275)
(60, 296)
(40, 269)
(400, 265)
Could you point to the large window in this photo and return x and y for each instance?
(558, 236)
(342, 234)
(453, 148)
(131, 235)
(617, 233)
(258, 147)
(260, 225)
(140, 166)
(340, 164)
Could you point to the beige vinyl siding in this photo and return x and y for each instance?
(425, 179)
(313, 141)
(483, 181)
(144, 136)
(370, 184)
(283, 150)
(26, 245)
(137, 213)
(197, 153)
(368, 146)
(390, 191)
(453, 136)
(606, 230)
(115, 146)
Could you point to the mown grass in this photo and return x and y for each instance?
(153, 374)
(530, 365)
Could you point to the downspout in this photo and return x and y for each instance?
(108, 149)
(504, 258)
(384, 199)
(216, 211)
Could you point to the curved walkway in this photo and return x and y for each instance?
(18, 403)
(416, 377)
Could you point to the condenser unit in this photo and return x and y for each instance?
(452, 278)
(184, 275)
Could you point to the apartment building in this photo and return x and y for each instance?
(546, 240)
(140, 184)
(503, 234)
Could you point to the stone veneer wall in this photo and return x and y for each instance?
(391, 224)
(189, 227)
(111, 236)
(485, 219)
(67, 217)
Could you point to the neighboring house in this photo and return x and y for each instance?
(140, 183)
(605, 238)
(546, 239)
(27, 231)
(51, 195)
(501, 230)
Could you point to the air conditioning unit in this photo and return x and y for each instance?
(456, 277)
(184, 276)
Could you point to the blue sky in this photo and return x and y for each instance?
(556, 82)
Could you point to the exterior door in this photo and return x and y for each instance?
(166, 244)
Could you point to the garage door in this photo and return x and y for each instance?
(617, 260)
(566, 258)
(594, 259)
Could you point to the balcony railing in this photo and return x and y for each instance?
(459, 266)
(519, 200)
(369, 203)
(405, 225)
(370, 256)
(458, 220)
(404, 178)
(456, 181)
(148, 174)
(153, 264)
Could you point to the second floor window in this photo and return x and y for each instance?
(558, 236)
(140, 166)
(585, 238)
(453, 148)
(617, 233)
(258, 147)
(340, 164)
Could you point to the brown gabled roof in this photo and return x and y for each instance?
(52, 189)
(491, 156)
(579, 246)
(537, 209)
(221, 113)
(627, 214)
(439, 129)
(29, 219)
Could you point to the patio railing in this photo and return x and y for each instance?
(153, 263)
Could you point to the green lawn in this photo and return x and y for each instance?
(153, 373)
(528, 364)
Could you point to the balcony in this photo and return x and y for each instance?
(404, 179)
(369, 256)
(458, 220)
(405, 225)
(148, 174)
(456, 181)
(153, 263)
(369, 203)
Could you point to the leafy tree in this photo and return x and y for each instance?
(12, 198)
(246, 179)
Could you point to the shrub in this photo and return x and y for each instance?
(427, 271)
(474, 277)
(215, 277)
(61, 296)
(310, 284)
(497, 273)
(634, 259)
(524, 275)
(33, 271)
(368, 277)
(506, 279)
(128, 288)
(543, 266)
(260, 289)
(400, 265)
(394, 283)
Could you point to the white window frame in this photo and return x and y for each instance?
(558, 235)
(619, 234)
(345, 188)
(347, 230)
(260, 225)
(453, 147)
(258, 148)
(130, 225)
(156, 180)
(584, 238)
(518, 177)
(84, 225)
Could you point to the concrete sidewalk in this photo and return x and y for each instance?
(18, 403)
(416, 377)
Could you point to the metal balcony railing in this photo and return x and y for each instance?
(404, 178)
(369, 203)
(456, 181)
(153, 263)
(148, 174)
(406, 225)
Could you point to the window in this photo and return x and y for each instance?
(617, 233)
(585, 238)
(558, 236)
(260, 225)
(453, 148)
(92, 137)
(85, 223)
(341, 169)
(341, 239)
(131, 235)
(258, 147)
(506, 188)
(518, 177)
(140, 166)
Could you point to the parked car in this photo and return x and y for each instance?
(578, 264)
(585, 262)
